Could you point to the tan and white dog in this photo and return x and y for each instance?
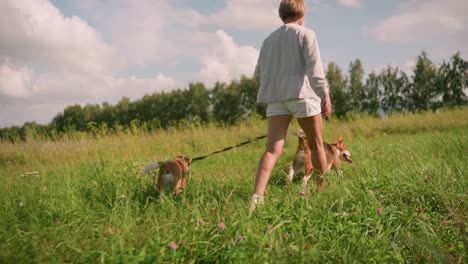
(303, 160)
(172, 173)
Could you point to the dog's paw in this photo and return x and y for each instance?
(300, 133)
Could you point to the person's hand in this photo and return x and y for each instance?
(326, 106)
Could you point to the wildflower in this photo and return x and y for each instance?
(202, 229)
(173, 245)
(269, 227)
(201, 222)
(213, 209)
(239, 238)
(183, 242)
(285, 186)
(20, 204)
(94, 182)
(405, 205)
(379, 210)
(57, 222)
(291, 251)
(221, 225)
(286, 235)
(302, 193)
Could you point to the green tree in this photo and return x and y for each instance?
(423, 91)
(226, 101)
(452, 81)
(371, 104)
(356, 86)
(393, 82)
(338, 90)
(199, 103)
(248, 90)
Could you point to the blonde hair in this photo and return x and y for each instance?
(292, 9)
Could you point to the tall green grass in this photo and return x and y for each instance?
(402, 200)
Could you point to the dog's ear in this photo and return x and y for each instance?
(189, 160)
(339, 142)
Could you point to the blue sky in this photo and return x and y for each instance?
(55, 53)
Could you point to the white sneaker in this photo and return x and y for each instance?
(256, 200)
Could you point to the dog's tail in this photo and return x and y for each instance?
(150, 167)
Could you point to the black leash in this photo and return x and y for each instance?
(228, 148)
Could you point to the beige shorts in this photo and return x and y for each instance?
(297, 108)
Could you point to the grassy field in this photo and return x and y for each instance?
(402, 200)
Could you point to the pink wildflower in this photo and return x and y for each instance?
(202, 229)
(302, 193)
(286, 235)
(57, 222)
(285, 186)
(239, 238)
(379, 210)
(221, 225)
(405, 205)
(183, 242)
(269, 227)
(213, 209)
(173, 245)
(201, 222)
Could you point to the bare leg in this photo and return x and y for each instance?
(277, 130)
(312, 127)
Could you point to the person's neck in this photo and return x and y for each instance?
(296, 21)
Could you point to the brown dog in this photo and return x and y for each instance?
(171, 173)
(302, 159)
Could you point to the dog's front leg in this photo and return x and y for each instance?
(291, 173)
(178, 186)
(161, 185)
(336, 167)
(340, 172)
(306, 179)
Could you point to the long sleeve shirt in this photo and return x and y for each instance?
(289, 66)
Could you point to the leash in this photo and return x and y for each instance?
(228, 148)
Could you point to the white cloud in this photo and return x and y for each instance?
(36, 32)
(15, 80)
(423, 21)
(405, 66)
(228, 60)
(48, 61)
(253, 14)
(247, 14)
(351, 3)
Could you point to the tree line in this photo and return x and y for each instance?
(430, 87)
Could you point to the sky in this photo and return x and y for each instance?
(56, 53)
